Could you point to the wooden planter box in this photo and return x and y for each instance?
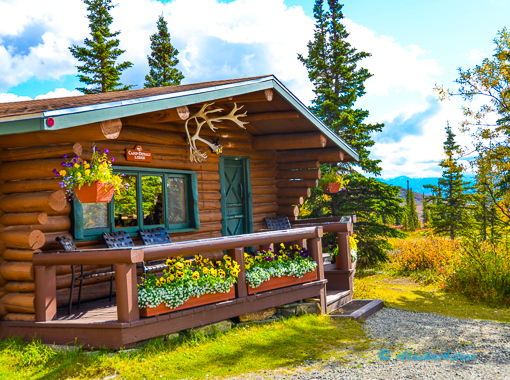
(280, 282)
(192, 302)
(94, 193)
(333, 188)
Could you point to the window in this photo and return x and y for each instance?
(156, 198)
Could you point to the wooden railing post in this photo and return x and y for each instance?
(45, 293)
(237, 254)
(343, 260)
(315, 249)
(127, 294)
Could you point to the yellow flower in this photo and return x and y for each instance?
(158, 284)
(87, 172)
(222, 273)
(297, 247)
(87, 165)
(62, 173)
(78, 175)
(206, 270)
(228, 265)
(168, 262)
(246, 255)
(171, 277)
(247, 266)
(196, 275)
(285, 257)
(171, 270)
(179, 265)
(198, 257)
(180, 274)
(214, 272)
(76, 165)
(187, 263)
(227, 258)
(162, 280)
(207, 261)
(233, 273)
(219, 263)
(282, 245)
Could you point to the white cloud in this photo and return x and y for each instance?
(8, 98)
(59, 93)
(476, 55)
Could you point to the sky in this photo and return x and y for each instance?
(413, 45)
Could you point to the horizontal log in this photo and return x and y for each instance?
(3, 312)
(209, 186)
(258, 96)
(20, 287)
(17, 271)
(257, 218)
(33, 169)
(263, 190)
(33, 153)
(30, 239)
(209, 195)
(294, 201)
(163, 116)
(44, 201)
(105, 130)
(264, 208)
(2, 281)
(289, 141)
(324, 155)
(19, 317)
(210, 227)
(65, 211)
(262, 155)
(256, 164)
(292, 192)
(299, 174)
(65, 280)
(90, 292)
(259, 226)
(150, 136)
(24, 218)
(50, 243)
(54, 224)
(263, 181)
(266, 198)
(288, 211)
(3, 292)
(209, 205)
(263, 173)
(223, 131)
(19, 303)
(210, 216)
(297, 183)
(195, 236)
(19, 254)
(208, 176)
(274, 115)
(298, 165)
(97, 256)
(209, 245)
(30, 186)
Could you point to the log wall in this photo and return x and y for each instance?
(33, 211)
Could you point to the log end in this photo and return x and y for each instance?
(57, 200)
(183, 112)
(111, 128)
(269, 94)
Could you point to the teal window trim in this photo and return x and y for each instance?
(192, 214)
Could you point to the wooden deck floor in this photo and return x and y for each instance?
(100, 311)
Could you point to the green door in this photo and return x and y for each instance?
(235, 195)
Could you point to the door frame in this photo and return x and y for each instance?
(247, 193)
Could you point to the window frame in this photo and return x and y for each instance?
(192, 224)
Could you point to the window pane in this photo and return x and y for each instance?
(95, 215)
(152, 198)
(125, 205)
(176, 187)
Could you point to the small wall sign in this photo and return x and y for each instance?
(138, 154)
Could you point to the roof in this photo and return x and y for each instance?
(32, 115)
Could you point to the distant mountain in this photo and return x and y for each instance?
(417, 184)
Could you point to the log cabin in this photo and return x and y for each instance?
(220, 174)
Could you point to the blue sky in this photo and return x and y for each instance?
(414, 45)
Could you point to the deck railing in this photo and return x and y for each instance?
(124, 261)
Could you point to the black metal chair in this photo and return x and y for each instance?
(278, 222)
(154, 236)
(69, 245)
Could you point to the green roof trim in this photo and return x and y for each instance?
(72, 117)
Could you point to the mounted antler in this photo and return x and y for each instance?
(196, 155)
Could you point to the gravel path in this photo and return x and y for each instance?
(397, 331)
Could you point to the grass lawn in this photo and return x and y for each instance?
(404, 293)
(283, 344)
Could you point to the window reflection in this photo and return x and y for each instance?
(176, 190)
(152, 200)
(95, 215)
(126, 205)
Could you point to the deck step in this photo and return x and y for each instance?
(357, 309)
(334, 299)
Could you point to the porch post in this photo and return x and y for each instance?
(127, 294)
(237, 254)
(315, 248)
(343, 261)
(45, 302)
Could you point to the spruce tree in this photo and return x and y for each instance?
(163, 59)
(413, 220)
(451, 195)
(426, 212)
(332, 65)
(99, 71)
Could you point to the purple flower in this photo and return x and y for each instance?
(74, 160)
(113, 160)
(65, 156)
(63, 164)
(69, 165)
(106, 151)
(55, 171)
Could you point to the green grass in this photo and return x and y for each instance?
(282, 344)
(408, 294)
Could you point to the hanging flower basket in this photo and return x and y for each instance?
(332, 188)
(95, 192)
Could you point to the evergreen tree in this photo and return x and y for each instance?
(426, 211)
(452, 200)
(99, 71)
(332, 65)
(412, 219)
(163, 59)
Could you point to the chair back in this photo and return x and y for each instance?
(67, 243)
(278, 222)
(154, 236)
(119, 239)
